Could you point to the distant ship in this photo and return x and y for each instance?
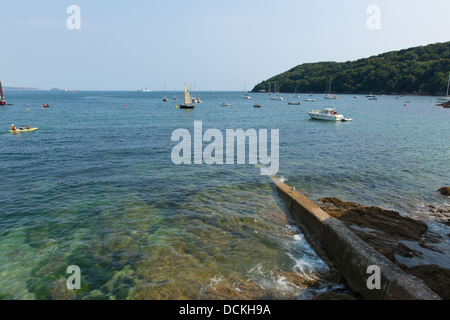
(145, 90)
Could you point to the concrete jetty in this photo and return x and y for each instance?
(355, 259)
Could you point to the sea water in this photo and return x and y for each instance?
(95, 187)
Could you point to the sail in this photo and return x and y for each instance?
(187, 95)
(1, 91)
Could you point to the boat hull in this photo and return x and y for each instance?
(325, 117)
(186, 106)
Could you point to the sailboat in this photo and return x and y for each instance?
(2, 98)
(446, 98)
(165, 98)
(246, 95)
(187, 99)
(329, 95)
(277, 97)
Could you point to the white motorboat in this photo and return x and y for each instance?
(329, 114)
(294, 103)
(310, 100)
(224, 104)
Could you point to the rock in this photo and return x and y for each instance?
(445, 191)
(386, 231)
(444, 105)
(435, 277)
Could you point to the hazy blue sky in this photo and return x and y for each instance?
(216, 44)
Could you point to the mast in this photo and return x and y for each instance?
(448, 85)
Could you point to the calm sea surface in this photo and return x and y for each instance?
(95, 187)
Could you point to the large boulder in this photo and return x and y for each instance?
(445, 191)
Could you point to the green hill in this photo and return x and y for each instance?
(418, 70)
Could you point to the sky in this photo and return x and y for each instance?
(219, 45)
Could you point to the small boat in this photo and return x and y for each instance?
(187, 99)
(329, 114)
(145, 90)
(257, 105)
(446, 98)
(294, 103)
(246, 95)
(224, 104)
(2, 98)
(165, 97)
(310, 100)
(46, 105)
(372, 97)
(277, 97)
(23, 130)
(329, 95)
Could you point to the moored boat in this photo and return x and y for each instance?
(329, 114)
(2, 98)
(447, 97)
(187, 99)
(328, 95)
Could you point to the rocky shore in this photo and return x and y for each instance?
(445, 105)
(396, 237)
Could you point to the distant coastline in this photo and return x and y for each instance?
(20, 89)
(422, 70)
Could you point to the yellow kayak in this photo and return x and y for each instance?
(24, 130)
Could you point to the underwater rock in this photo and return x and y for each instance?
(445, 191)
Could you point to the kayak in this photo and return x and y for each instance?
(24, 130)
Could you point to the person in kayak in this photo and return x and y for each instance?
(22, 128)
(28, 127)
(14, 127)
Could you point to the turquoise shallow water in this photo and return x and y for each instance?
(95, 187)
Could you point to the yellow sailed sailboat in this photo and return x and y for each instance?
(187, 99)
